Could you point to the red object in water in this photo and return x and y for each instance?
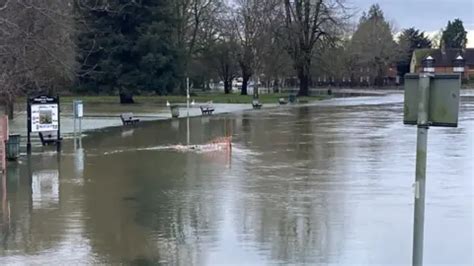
(4, 128)
(3, 139)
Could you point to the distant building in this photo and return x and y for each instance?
(359, 76)
(446, 61)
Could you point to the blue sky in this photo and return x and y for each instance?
(427, 15)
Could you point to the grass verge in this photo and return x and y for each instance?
(200, 98)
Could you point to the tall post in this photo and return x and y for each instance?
(78, 114)
(188, 135)
(80, 127)
(28, 125)
(421, 152)
(74, 116)
(58, 141)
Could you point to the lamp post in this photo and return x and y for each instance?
(188, 97)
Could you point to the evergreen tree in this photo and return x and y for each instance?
(454, 36)
(126, 46)
(409, 40)
(373, 44)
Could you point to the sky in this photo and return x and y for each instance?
(427, 15)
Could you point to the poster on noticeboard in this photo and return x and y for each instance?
(44, 117)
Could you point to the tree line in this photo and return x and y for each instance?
(150, 46)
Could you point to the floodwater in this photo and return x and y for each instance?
(324, 184)
(100, 115)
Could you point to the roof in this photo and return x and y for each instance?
(446, 58)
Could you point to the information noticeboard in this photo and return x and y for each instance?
(44, 117)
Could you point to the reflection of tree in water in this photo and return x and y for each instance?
(287, 204)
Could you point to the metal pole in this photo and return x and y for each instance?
(188, 137)
(421, 152)
(187, 95)
(58, 141)
(74, 115)
(80, 127)
(28, 126)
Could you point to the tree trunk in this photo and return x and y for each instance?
(10, 107)
(245, 82)
(304, 74)
(275, 86)
(126, 98)
(304, 85)
(227, 85)
(9, 103)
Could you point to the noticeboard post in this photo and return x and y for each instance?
(78, 113)
(43, 117)
(431, 99)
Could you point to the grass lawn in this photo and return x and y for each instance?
(200, 97)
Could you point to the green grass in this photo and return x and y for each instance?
(200, 97)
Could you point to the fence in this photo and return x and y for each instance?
(3, 139)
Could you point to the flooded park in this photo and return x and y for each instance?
(323, 183)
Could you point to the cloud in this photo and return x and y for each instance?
(470, 37)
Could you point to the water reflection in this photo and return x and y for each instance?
(45, 218)
(310, 185)
(45, 189)
(5, 225)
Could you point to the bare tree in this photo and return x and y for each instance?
(307, 24)
(224, 63)
(252, 20)
(222, 53)
(36, 48)
(195, 27)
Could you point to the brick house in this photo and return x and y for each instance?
(446, 61)
(357, 76)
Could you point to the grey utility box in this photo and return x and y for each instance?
(444, 99)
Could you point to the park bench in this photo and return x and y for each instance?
(256, 104)
(292, 98)
(129, 119)
(207, 109)
(49, 137)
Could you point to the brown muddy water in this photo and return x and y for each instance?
(324, 184)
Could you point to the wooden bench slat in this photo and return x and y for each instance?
(207, 110)
(128, 118)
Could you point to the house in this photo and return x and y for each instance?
(360, 75)
(446, 61)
